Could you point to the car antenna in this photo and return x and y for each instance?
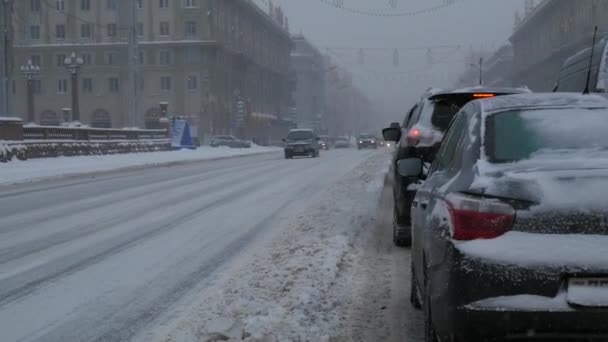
(586, 91)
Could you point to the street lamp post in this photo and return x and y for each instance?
(480, 68)
(30, 71)
(73, 64)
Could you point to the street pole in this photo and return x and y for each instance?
(30, 71)
(73, 64)
(133, 65)
(6, 72)
(480, 70)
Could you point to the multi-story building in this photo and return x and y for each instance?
(309, 67)
(6, 60)
(200, 56)
(550, 33)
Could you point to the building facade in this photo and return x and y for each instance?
(202, 57)
(553, 31)
(309, 67)
(6, 58)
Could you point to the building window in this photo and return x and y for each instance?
(191, 3)
(60, 4)
(60, 60)
(114, 85)
(165, 57)
(60, 31)
(190, 29)
(165, 83)
(192, 55)
(35, 5)
(164, 28)
(35, 32)
(87, 85)
(85, 5)
(192, 82)
(111, 58)
(62, 86)
(140, 29)
(86, 30)
(36, 60)
(112, 30)
(87, 59)
(163, 3)
(112, 5)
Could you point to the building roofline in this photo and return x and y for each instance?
(267, 17)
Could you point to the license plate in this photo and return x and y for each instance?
(299, 149)
(590, 292)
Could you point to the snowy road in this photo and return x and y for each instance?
(101, 258)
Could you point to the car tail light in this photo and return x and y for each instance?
(413, 136)
(478, 218)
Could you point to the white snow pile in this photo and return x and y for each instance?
(570, 251)
(36, 169)
(530, 303)
(294, 290)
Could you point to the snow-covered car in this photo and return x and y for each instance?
(510, 229)
(301, 142)
(229, 141)
(420, 136)
(367, 141)
(342, 142)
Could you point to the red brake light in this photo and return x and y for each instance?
(413, 136)
(483, 95)
(478, 218)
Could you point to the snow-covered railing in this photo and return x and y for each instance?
(87, 133)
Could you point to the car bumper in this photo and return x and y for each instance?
(300, 151)
(479, 323)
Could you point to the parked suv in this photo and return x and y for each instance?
(420, 137)
(301, 142)
(367, 141)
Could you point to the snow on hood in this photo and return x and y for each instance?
(571, 251)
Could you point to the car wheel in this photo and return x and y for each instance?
(414, 299)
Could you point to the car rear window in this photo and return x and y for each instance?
(443, 109)
(525, 134)
(299, 135)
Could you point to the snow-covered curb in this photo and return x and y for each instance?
(50, 168)
(291, 290)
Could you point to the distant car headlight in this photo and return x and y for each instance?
(373, 142)
(361, 142)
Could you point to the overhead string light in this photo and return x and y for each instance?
(393, 4)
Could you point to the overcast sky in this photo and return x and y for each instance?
(483, 24)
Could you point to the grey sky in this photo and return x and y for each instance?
(470, 23)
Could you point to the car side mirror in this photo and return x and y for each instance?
(392, 134)
(410, 167)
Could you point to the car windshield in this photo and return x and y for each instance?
(299, 135)
(526, 134)
(442, 109)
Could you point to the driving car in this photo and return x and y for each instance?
(367, 141)
(510, 232)
(324, 142)
(301, 142)
(342, 142)
(229, 141)
(420, 136)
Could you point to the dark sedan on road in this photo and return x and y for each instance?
(510, 229)
(229, 141)
(301, 142)
(367, 141)
(420, 137)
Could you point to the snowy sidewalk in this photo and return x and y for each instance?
(37, 169)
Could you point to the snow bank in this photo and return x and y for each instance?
(288, 292)
(569, 251)
(35, 169)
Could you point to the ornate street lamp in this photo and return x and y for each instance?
(73, 64)
(30, 71)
